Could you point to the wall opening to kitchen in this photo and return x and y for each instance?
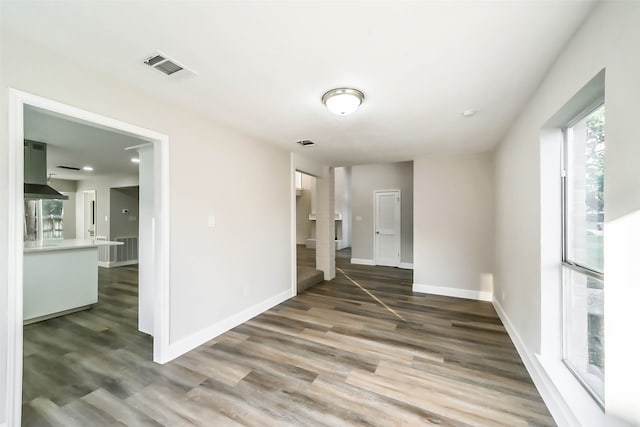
(156, 152)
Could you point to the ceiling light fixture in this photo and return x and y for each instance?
(343, 101)
(135, 160)
(87, 168)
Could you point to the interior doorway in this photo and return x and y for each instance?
(387, 237)
(307, 274)
(89, 214)
(18, 101)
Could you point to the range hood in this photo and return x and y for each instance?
(35, 172)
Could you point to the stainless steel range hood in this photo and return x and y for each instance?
(35, 172)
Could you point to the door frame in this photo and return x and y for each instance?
(84, 213)
(14, 351)
(375, 223)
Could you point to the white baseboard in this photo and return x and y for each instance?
(543, 383)
(362, 261)
(187, 344)
(452, 292)
(112, 264)
(406, 265)
(589, 414)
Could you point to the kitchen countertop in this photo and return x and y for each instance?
(65, 245)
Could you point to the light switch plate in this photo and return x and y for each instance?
(211, 221)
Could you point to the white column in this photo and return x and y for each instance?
(146, 245)
(325, 224)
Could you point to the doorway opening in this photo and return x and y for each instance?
(19, 103)
(89, 214)
(307, 274)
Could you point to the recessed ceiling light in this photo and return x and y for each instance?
(343, 101)
(87, 168)
(468, 113)
(135, 160)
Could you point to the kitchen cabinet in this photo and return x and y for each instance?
(60, 277)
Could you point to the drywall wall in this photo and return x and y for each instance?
(102, 186)
(365, 179)
(5, 257)
(69, 188)
(123, 224)
(209, 281)
(146, 246)
(343, 204)
(609, 39)
(453, 224)
(304, 227)
(323, 203)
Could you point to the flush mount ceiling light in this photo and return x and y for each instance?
(343, 101)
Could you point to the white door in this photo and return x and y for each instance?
(387, 228)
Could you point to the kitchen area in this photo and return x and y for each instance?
(83, 306)
(60, 275)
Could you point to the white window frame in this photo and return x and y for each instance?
(566, 262)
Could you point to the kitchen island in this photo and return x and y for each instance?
(60, 277)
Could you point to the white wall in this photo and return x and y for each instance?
(146, 246)
(121, 224)
(610, 39)
(343, 204)
(453, 225)
(209, 280)
(364, 180)
(102, 185)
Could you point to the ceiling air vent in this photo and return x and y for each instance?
(306, 143)
(168, 66)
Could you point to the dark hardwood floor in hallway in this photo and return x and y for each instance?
(333, 356)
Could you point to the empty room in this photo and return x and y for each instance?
(279, 213)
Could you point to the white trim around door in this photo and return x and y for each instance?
(17, 101)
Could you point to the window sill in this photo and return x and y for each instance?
(583, 407)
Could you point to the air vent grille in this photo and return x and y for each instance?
(306, 142)
(166, 65)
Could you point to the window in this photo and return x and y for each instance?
(43, 219)
(583, 249)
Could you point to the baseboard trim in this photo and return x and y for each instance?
(362, 261)
(562, 413)
(187, 344)
(116, 263)
(453, 292)
(406, 265)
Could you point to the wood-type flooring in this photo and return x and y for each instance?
(336, 355)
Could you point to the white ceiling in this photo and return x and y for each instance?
(263, 66)
(73, 143)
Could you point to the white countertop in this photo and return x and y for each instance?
(65, 245)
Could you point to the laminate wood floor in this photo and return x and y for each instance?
(333, 356)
